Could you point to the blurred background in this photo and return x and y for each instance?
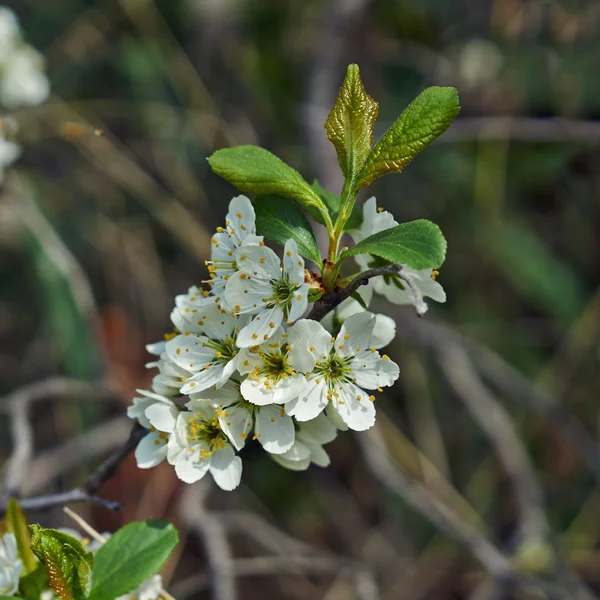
(108, 215)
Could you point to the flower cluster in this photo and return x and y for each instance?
(242, 363)
(22, 80)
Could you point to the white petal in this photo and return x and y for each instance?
(332, 414)
(189, 467)
(249, 294)
(383, 332)
(378, 373)
(162, 416)
(299, 303)
(359, 415)
(318, 431)
(236, 422)
(190, 352)
(293, 263)
(274, 429)
(205, 379)
(148, 453)
(359, 328)
(241, 217)
(226, 468)
(137, 410)
(298, 452)
(304, 335)
(157, 348)
(292, 465)
(289, 388)
(261, 328)
(255, 391)
(310, 405)
(318, 455)
(258, 261)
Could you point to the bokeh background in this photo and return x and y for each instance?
(98, 233)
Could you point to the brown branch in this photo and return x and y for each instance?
(328, 302)
(87, 492)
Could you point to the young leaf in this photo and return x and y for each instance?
(426, 118)
(279, 220)
(417, 244)
(68, 565)
(257, 171)
(332, 201)
(16, 523)
(351, 122)
(134, 553)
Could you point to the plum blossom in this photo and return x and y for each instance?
(339, 370)
(10, 565)
(271, 291)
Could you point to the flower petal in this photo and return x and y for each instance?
(383, 332)
(312, 403)
(359, 415)
(162, 416)
(236, 422)
(261, 328)
(189, 467)
(355, 334)
(147, 453)
(258, 261)
(226, 468)
(274, 429)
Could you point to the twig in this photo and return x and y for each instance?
(507, 379)
(328, 302)
(87, 492)
(214, 538)
(17, 406)
(430, 506)
(493, 418)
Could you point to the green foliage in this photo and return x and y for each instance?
(425, 119)
(68, 565)
(332, 201)
(16, 523)
(134, 553)
(351, 122)
(255, 170)
(417, 244)
(34, 583)
(280, 219)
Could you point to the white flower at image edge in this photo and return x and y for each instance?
(159, 415)
(10, 565)
(23, 82)
(9, 152)
(391, 286)
(308, 447)
(239, 231)
(9, 32)
(267, 289)
(237, 417)
(198, 445)
(384, 330)
(339, 370)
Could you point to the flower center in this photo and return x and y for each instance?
(335, 370)
(200, 429)
(283, 293)
(224, 349)
(275, 366)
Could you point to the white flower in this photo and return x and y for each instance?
(308, 447)
(385, 327)
(391, 286)
(207, 348)
(9, 32)
(239, 231)
(273, 376)
(199, 445)
(264, 287)
(23, 82)
(10, 565)
(159, 415)
(9, 152)
(272, 427)
(340, 370)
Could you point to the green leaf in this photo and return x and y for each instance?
(426, 118)
(360, 300)
(68, 565)
(332, 201)
(134, 553)
(279, 219)
(351, 122)
(257, 171)
(417, 244)
(16, 523)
